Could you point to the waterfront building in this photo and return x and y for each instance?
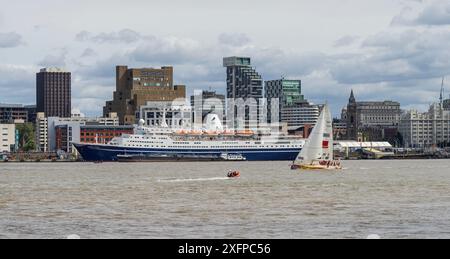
(46, 129)
(7, 137)
(299, 115)
(41, 132)
(339, 129)
(244, 83)
(53, 92)
(287, 92)
(286, 101)
(79, 132)
(11, 113)
(166, 114)
(376, 121)
(427, 129)
(136, 87)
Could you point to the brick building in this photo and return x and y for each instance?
(136, 87)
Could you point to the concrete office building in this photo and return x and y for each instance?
(298, 116)
(53, 92)
(427, 129)
(7, 137)
(136, 87)
(46, 129)
(41, 132)
(11, 113)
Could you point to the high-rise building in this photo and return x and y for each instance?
(375, 120)
(244, 83)
(288, 91)
(53, 92)
(428, 129)
(136, 87)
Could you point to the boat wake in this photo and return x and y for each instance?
(192, 180)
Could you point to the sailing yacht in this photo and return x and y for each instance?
(317, 153)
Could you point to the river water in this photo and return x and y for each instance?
(392, 199)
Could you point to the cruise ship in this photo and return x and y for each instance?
(162, 141)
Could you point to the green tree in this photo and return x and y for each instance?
(26, 137)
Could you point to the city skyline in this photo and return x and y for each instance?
(383, 50)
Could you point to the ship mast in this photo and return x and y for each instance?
(441, 98)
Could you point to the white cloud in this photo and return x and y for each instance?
(170, 50)
(17, 84)
(93, 106)
(234, 39)
(57, 59)
(10, 40)
(345, 41)
(432, 13)
(88, 52)
(122, 36)
(395, 57)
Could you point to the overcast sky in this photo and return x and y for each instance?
(383, 49)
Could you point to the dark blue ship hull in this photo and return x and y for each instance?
(91, 152)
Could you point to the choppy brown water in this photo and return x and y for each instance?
(394, 199)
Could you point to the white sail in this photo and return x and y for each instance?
(319, 145)
(328, 135)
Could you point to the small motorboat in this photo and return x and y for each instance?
(234, 174)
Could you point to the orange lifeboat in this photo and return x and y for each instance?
(228, 133)
(211, 133)
(245, 132)
(234, 174)
(181, 132)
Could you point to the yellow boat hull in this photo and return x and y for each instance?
(316, 167)
(319, 167)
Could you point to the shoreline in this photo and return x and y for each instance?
(143, 162)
